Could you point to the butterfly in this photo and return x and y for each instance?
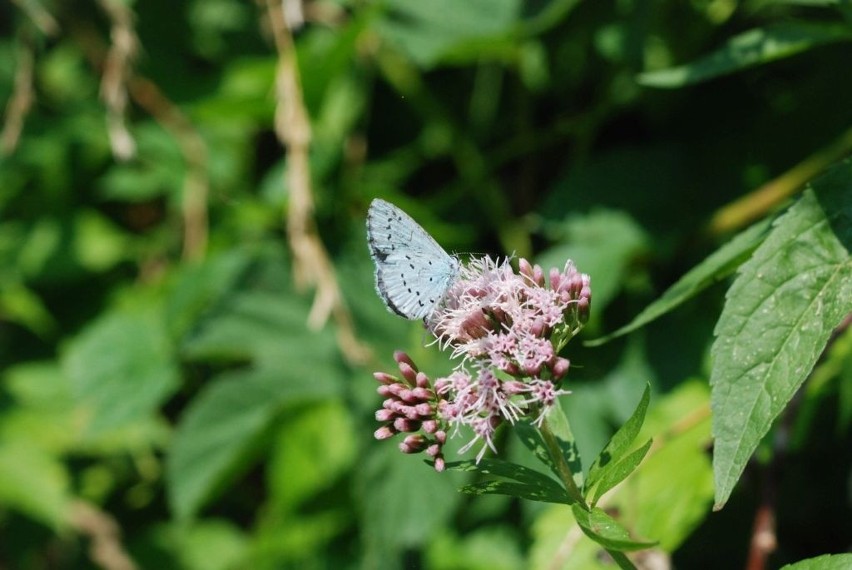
(413, 272)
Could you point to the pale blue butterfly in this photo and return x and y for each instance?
(413, 272)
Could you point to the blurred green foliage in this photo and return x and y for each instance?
(180, 395)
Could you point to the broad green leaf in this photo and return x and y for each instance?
(311, 451)
(778, 317)
(716, 267)
(34, 483)
(602, 243)
(216, 436)
(617, 447)
(606, 531)
(425, 33)
(198, 287)
(486, 548)
(404, 502)
(20, 304)
(751, 48)
(211, 545)
(619, 471)
(825, 562)
(121, 369)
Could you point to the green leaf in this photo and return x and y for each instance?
(405, 502)
(311, 451)
(825, 562)
(34, 483)
(613, 452)
(606, 531)
(603, 244)
(619, 471)
(519, 490)
(425, 34)
(532, 440)
(217, 434)
(716, 267)
(121, 369)
(528, 483)
(754, 47)
(664, 503)
(778, 317)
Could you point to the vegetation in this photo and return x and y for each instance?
(189, 326)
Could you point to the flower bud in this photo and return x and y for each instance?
(401, 357)
(384, 415)
(384, 432)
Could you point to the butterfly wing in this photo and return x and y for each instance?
(413, 272)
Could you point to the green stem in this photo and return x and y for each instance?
(555, 451)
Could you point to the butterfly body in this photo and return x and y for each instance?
(413, 272)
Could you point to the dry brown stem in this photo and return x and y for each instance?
(311, 263)
(21, 100)
(106, 549)
(117, 72)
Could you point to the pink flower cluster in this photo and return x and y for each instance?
(507, 328)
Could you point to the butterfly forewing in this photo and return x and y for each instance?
(413, 272)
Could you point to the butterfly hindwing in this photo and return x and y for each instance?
(413, 272)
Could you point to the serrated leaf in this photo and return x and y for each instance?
(400, 507)
(621, 441)
(606, 531)
(121, 369)
(751, 48)
(825, 562)
(720, 264)
(216, 434)
(778, 317)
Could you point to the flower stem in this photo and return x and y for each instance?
(557, 455)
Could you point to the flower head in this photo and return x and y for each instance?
(506, 329)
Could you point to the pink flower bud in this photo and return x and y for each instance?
(384, 432)
(538, 275)
(404, 425)
(439, 464)
(524, 268)
(421, 380)
(413, 444)
(421, 394)
(401, 357)
(560, 368)
(384, 378)
(408, 372)
(430, 426)
(384, 415)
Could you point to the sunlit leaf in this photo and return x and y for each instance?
(826, 562)
(121, 368)
(779, 314)
(606, 531)
(716, 267)
(751, 48)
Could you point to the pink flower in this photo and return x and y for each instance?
(507, 330)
